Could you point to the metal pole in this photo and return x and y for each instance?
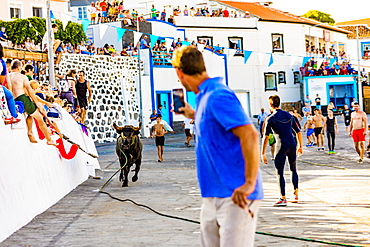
(139, 67)
(359, 81)
(49, 31)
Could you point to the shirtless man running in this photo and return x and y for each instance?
(22, 91)
(357, 130)
(158, 133)
(319, 121)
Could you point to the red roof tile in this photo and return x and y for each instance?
(266, 13)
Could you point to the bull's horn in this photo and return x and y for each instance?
(137, 128)
(116, 127)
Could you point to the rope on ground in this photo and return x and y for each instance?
(197, 222)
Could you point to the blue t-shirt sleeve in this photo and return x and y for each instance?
(227, 109)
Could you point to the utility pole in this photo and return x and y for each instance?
(49, 32)
(359, 79)
(139, 67)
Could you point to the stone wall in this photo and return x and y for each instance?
(115, 96)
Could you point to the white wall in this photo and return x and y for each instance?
(33, 177)
(110, 36)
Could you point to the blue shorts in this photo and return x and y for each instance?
(310, 132)
(104, 14)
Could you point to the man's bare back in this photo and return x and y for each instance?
(318, 120)
(19, 83)
(358, 120)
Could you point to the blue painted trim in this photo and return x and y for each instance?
(152, 81)
(165, 22)
(226, 68)
(183, 30)
(351, 82)
(162, 66)
(169, 103)
(362, 47)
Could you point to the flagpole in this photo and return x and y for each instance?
(49, 31)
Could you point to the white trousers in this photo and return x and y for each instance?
(225, 224)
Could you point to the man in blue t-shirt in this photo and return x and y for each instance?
(227, 155)
(144, 43)
(284, 127)
(3, 35)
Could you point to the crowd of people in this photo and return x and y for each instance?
(40, 101)
(313, 68)
(108, 11)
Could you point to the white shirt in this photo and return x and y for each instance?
(92, 10)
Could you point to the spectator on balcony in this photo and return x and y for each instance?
(336, 68)
(120, 16)
(144, 43)
(246, 14)
(130, 47)
(153, 12)
(192, 12)
(92, 10)
(186, 11)
(163, 15)
(171, 20)
(225, 13)
(177, 11)
(92, 49)
(198, 12)
(70, 48)
(124, 52)
(83, 49)
(103, 7)
(134, 15)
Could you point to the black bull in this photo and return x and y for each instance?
(129, 149)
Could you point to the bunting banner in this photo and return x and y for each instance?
(247, 55)
(168, 42)
(332, 61)
(52, 15)
(261, 57)
(103, 29)
(153, 40)
(293, 60)
(201, 47)
(185, 43)
(137, 37)
(85, 25)
(65, 19)
(305, 60)
(120, 33)
(230, 54)
(271, 60)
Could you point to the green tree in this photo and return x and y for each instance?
(19, 29)
(319, 16)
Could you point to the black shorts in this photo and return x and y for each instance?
(317, 131)
(347, 121)
(159, 141)
(187, 132)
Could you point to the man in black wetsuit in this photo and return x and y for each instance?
(347, 116)
(282, 125)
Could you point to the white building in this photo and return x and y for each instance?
(28, 8)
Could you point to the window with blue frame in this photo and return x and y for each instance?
(236, 43)
(82, 13)
(365, 48)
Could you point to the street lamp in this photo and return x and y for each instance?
(359, 81)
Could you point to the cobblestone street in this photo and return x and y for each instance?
(334, 203)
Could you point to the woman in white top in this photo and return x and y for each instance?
(92, 10)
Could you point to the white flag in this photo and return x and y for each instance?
(137, 36)
(261, 57)
(65, 19)
(103, 29)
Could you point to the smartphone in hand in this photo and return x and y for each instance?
(178, 99)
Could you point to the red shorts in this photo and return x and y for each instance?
(358, 135)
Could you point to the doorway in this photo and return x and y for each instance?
(164, 99)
